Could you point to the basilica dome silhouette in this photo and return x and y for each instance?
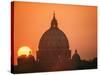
(53, 38)
(53, 48)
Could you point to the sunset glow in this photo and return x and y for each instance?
(24, 51)
(79, 23)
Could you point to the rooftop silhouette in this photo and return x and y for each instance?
(54, 54)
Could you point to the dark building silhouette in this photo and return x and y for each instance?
(54, 54)
(53, 48)
(26, 60)
(76, 60)
(25, 64)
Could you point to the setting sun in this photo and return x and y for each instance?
(25, 50)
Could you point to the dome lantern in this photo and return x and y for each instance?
(54, 23)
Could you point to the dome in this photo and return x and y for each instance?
(53, 38)
(76, 56)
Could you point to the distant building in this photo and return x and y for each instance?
(26, 60)
(25, 64)
(76, 60)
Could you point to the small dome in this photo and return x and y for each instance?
(76, 56)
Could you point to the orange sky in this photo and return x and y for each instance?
(79, 23)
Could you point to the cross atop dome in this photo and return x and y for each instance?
(54, 23)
